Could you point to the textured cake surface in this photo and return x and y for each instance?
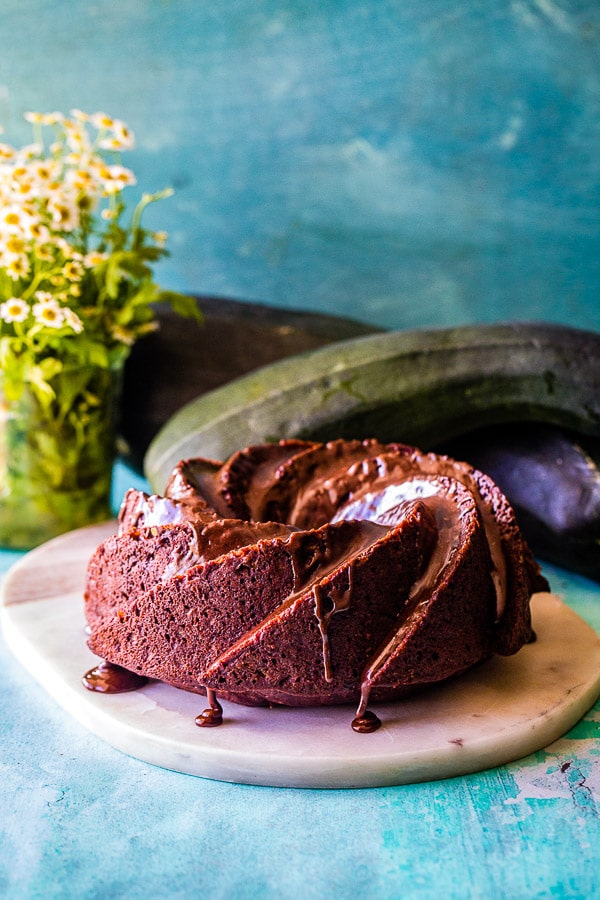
(304, 573)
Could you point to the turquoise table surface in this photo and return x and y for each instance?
(404, 162)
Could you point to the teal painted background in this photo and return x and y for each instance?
(406, 163)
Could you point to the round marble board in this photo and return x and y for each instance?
(498, 712)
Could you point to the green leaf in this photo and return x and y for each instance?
(182, 304)
(97, 354)
(34, 375)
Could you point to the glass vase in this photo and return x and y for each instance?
(57, 455)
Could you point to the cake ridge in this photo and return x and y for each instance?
(320, 583)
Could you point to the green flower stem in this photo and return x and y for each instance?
(56, 459)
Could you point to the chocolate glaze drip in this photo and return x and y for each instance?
(314, 557)
(107, 678)
(447, 522)
(325, 608)
(327, 557)
(365, 722)
(213, 714)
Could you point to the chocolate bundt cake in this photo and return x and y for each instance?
(302, 573)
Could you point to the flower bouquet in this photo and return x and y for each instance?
(76, 292)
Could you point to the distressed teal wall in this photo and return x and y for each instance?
(406, 162)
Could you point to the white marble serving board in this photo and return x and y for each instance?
(499, 712)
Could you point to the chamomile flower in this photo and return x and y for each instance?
(42, 175)
(72, 320)
(94, 258)
(50, 316)
(44, 252)
(80, 115)
(116, 178)
(26, 188)
(7, 152)
(37, 118)
(86, 203)
(73, 270)
(111, 143)
(44, 297)
(81, 179)
(17, 267)
(64, 212)
(76, 136)
(101, 121)
(48, 311)
(37, 232)
(15, 244)
(121, 137)
(30, 151)
(44, 300)
(66, 248)
(13, 218)
(19, 172)
(15, 309)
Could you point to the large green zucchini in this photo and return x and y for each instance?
(421, 387)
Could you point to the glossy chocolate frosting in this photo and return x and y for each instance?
(306, 573)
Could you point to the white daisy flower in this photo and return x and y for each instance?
(94, 258)
(49, 313)
(123, 133)
(44, 251)
(65, 247)
(30, 151)
(81, 179)
(44, 300)
(13, 219)
(15, 309)
(44, 297)
(37, 118)
(73, 320)
(38, 232)
(7, 152)
(15, 244)
(122, 138)
(80, 115)
(73, 270)
(17, 267)
(64, 212)
(76, 135)
(101, 121)
(116, 178)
